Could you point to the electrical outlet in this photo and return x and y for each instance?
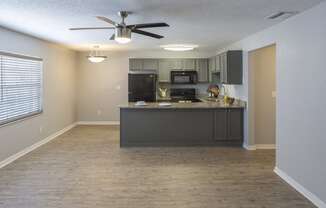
(118, 87)
(99, 112)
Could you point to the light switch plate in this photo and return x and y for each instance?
(273, 94)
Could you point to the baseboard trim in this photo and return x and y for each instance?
(98, 123)
(259, 146)
(302, 190)
(25, 151)
(249, 147)
(265, 146)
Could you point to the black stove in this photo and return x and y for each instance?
(183, 95)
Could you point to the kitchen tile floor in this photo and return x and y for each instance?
(86, 168)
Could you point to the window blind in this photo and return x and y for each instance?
(20, 87)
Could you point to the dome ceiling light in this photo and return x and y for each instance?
(95, 56)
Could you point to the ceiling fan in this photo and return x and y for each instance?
(123, 31)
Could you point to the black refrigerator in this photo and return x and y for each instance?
(142, 87)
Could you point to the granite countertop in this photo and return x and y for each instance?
(206, 104)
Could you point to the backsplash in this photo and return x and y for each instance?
(201, 88)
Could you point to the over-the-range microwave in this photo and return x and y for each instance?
(184, 77)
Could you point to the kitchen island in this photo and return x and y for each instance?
(204, 123)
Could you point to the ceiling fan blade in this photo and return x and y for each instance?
(107, 20)
(112, 37)
(141, 32)
(91, 28)
(148, 25)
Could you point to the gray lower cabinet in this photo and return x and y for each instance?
(228, 124)
(220, 126)
(173, 127)
(202, 70)
(235, 124)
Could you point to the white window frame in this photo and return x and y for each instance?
(29, 115)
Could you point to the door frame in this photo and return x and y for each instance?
(251, 102)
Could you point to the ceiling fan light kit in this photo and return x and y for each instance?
(122, 35)
(123, 31)
(179, 47)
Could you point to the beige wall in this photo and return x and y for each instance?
(103, 87)
(58, 96)
(261, 87)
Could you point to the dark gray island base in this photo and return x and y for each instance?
(203, 124)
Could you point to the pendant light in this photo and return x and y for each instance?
(95, 56)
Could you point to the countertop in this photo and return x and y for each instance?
(206, 104)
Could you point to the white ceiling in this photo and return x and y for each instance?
(207, 23)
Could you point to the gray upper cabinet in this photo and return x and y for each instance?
(143, 64)
(231, 67)
(135, 64)
(189, 64)
(150, 64)
(211, 64)
(218, 63)
(164, 68)
(176, 64)
(202, 70)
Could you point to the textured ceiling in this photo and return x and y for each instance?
(207, 23)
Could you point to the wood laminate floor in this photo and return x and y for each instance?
(86, 168)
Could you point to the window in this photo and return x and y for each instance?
(20, 87)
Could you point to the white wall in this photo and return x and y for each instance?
(300, 106)
(103, 87)
(58, 96)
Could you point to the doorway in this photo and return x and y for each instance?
(262, 96)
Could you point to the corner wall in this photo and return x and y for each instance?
(59, 91)
(300, 103)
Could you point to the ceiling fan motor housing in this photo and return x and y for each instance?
(123, 32)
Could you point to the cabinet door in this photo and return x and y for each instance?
(235, 124)
(217, 63)
(211, 64)
(223, 63)
(221, 124)
(202, 70)
(164, 69)
(135, 64)
(176, 64)
(189, 64)
(150, 64)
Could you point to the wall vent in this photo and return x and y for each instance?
(282, 15)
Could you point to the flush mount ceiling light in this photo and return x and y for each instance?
(179, 47)
(95, 57)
